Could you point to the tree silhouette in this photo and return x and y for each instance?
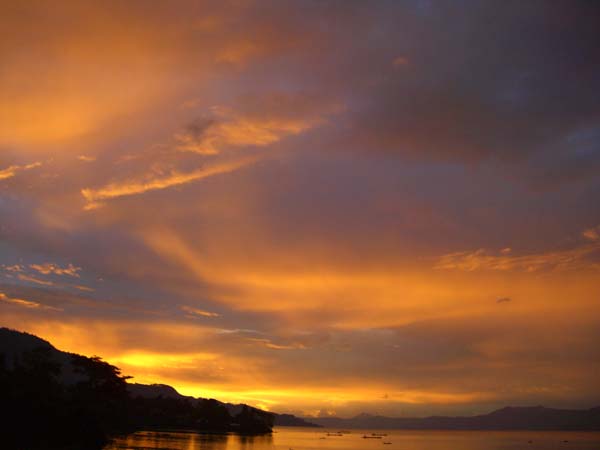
(72, 401)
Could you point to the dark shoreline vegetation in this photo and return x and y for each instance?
(55, 400)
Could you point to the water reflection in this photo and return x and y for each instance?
(318, 439)
(248, 442)
(173, 440)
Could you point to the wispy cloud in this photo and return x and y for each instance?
(35, 280)
(481, 259)
(270, 344)
(96, 197)
(592, 234)
(13, 268)
(29, 273)
(81, 288)
(50, 268)
(11, 171)
(25, 303)
(237, 331)
(199, 312)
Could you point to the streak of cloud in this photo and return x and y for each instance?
(11, 171)
(199, 312)
(25, 303)
(569, 259)
(35, 280)
(96, 197)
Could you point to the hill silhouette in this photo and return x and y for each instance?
(53, 399)
(509, 418)
(166, 391)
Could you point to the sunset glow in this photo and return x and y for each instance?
(317, 208)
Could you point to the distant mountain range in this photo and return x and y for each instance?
(509, 418)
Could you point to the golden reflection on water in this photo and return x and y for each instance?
(173, 440)
(317, 439)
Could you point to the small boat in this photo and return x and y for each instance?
(387, 443)
(371, 437)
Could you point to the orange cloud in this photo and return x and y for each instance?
(96, 197)
(593, 234)
(35, 280)
(199, 312)
(11, 171)
(13, 268)
(81, 288)
(304, 289)
(570, 259)
(49, 268)
(25, 303)
(231, 130)
(270, 344)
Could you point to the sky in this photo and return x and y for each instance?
(314, 207)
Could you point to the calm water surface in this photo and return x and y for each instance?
(316, 439)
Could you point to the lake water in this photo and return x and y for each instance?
(285, 438)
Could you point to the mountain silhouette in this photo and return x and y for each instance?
(54, 399)
(508, 418)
